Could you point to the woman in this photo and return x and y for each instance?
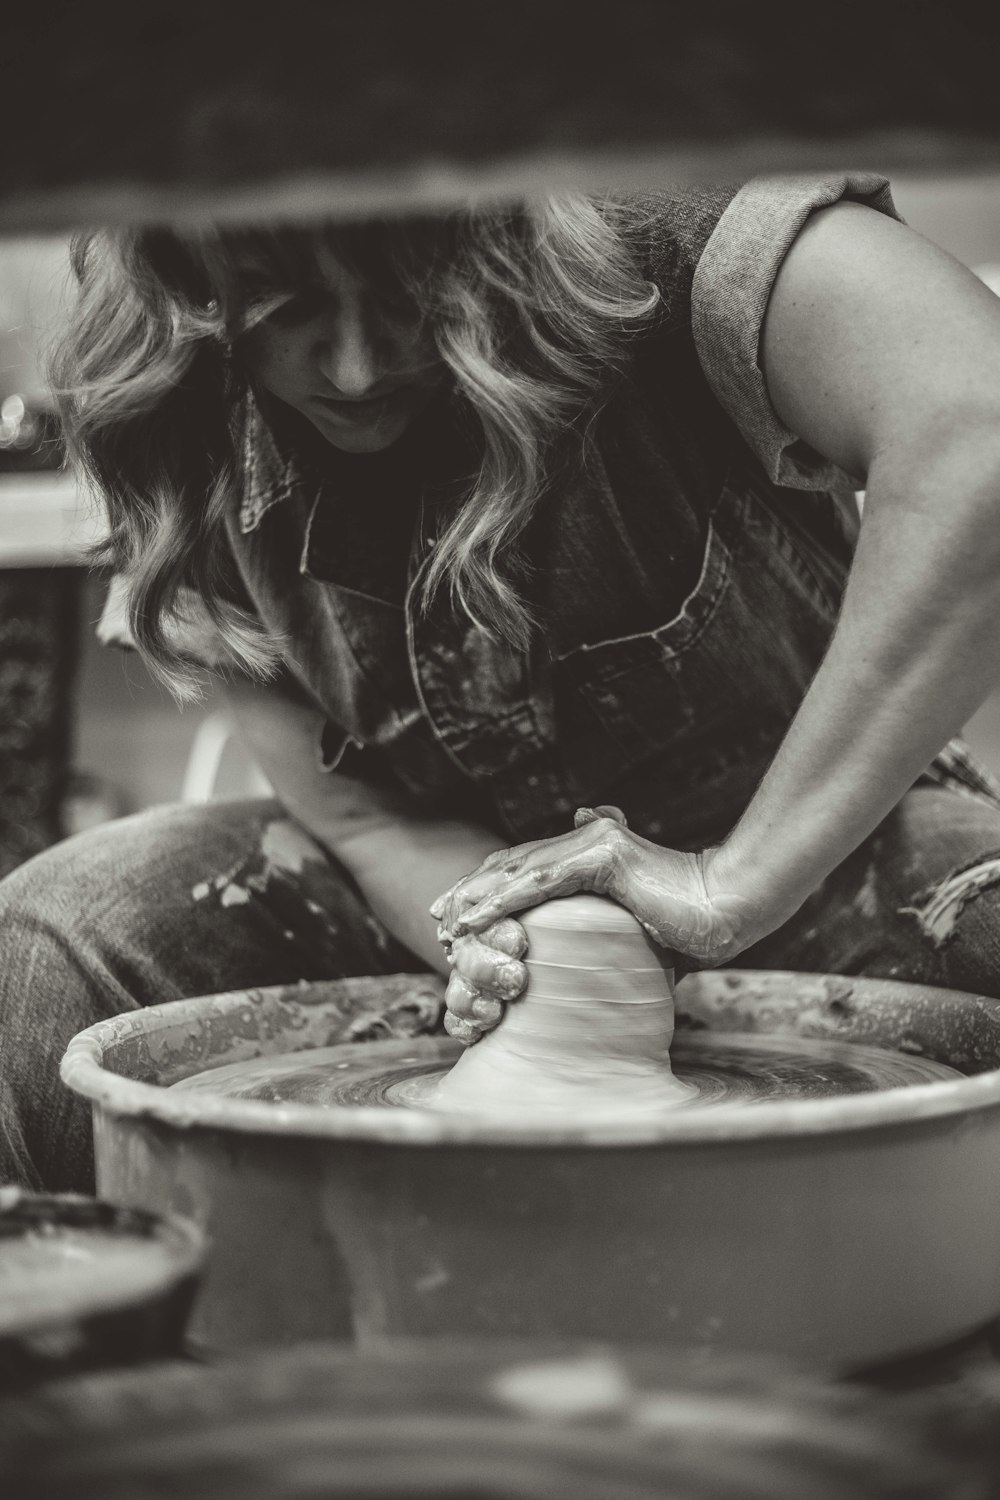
(507, 528)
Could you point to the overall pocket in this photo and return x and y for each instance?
(713, 688)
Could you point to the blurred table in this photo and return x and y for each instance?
(535, 1419)
(44, 521)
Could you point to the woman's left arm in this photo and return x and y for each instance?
(883, 353)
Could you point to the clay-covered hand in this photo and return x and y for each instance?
(679, 898)
(486, 972)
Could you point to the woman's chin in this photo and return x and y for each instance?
(362, 439)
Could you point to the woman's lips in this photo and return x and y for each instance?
(370, 406)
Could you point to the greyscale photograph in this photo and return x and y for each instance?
(500, 751)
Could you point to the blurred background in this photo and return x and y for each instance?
(84, 733)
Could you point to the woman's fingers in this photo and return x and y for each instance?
(485, 876)
(459, 996)
(486, 973)
(464, 1000)
(491, 862)
(488, 969)
(463, 1031)
(507, 936)
(468, 1013)
(491, 876)
(590, 858)
(591, 815)
(674, 894)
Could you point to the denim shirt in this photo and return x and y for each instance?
(686, 579)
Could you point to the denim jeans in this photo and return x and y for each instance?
(183, 901)
(173, 902)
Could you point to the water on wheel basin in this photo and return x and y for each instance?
(723, 1068)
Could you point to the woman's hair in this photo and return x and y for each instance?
(531, 310)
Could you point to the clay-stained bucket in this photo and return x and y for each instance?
(849, 1230)
(86, 1285)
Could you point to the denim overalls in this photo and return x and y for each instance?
(683, 599)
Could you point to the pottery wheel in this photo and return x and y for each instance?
(592, 1038)
(723, 1069)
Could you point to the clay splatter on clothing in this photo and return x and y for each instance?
(283, 847)
(939, 907)
(290, 886)
(234, 895)
(288, 880)
(286, 846)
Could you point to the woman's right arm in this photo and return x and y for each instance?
(400, 859)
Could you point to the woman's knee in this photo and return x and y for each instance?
(89, 929)
(67, 911)
(45, 999)
(119, 903)
(186, 900)
(956, 919)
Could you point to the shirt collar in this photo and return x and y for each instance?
(270, 475)
(358, 556)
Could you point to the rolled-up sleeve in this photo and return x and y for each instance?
(730, 292)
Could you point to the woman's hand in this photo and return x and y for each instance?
(677, 897)
(485, 974)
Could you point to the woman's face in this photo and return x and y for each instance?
(358, 369)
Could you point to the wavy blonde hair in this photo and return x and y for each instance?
(531, 309)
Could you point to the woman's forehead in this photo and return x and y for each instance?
(380, 251)
(314, 260)
(290, 251)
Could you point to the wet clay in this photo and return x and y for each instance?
(590, 1035)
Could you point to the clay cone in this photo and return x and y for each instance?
(591, 1034)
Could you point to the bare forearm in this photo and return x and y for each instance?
(915, 652)
(400, 859)
(402, 868)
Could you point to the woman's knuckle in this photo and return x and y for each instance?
(513, 976)
(603, 861)
(618, 835)
(507, 936)
(460, 1028)
(498, 857)
(460, 993)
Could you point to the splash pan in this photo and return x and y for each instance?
(848, 1228)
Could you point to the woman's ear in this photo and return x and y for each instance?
(171, 263)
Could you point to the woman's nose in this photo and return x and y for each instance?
(348, 356)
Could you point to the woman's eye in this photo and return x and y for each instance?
(301, 306)
(399, 309)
